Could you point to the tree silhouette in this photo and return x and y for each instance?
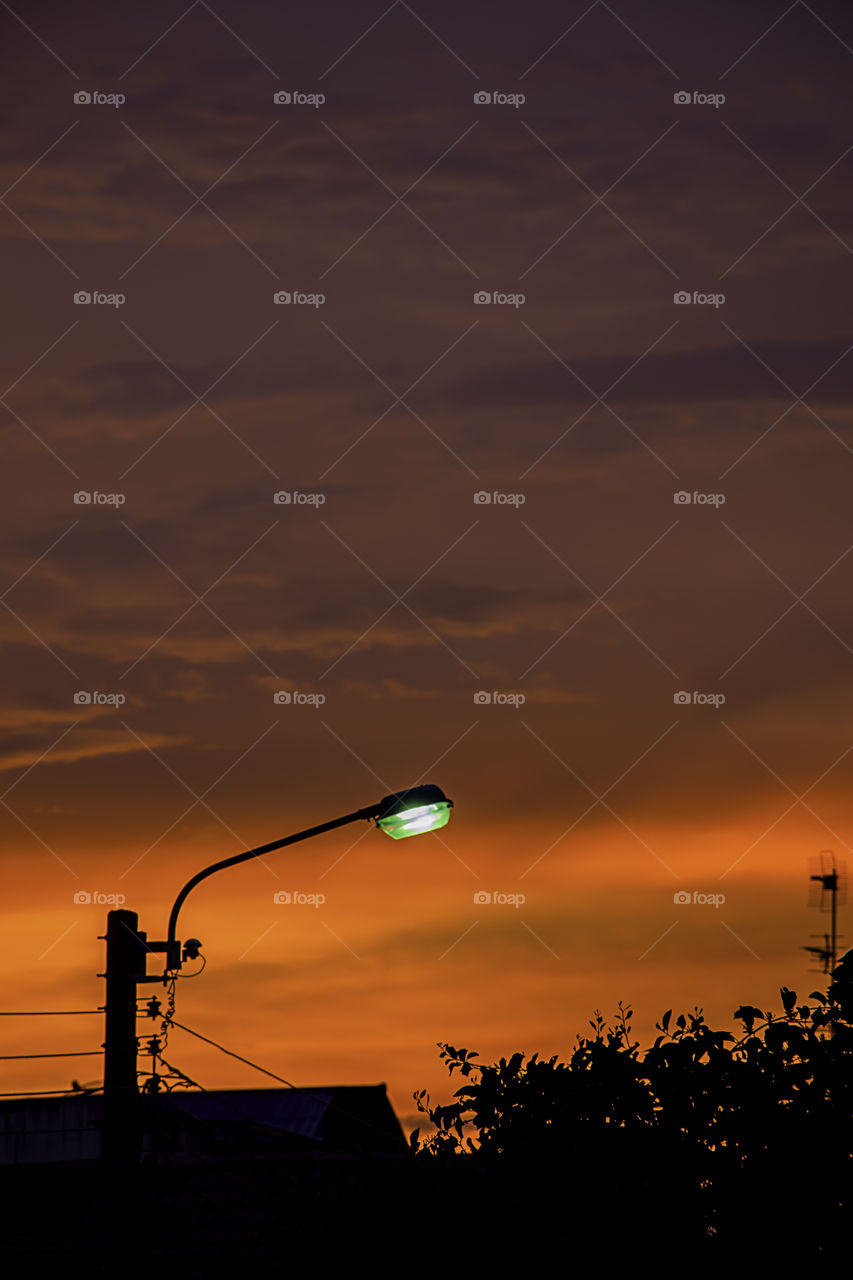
(729, 1146)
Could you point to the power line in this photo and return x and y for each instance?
(332, 1106)
(41, 1093)
(80, 1053)
(46, 1013)
(231, 1054)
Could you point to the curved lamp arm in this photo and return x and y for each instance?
(173, 957)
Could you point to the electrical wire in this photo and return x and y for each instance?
(80, 1053)
(46, 1013)
(332, 1106)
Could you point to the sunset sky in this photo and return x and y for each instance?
(386, 597)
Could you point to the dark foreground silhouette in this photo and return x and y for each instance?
(708, 1149)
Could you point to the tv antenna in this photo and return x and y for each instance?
(827, 890)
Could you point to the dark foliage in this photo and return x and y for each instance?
(731, 1147)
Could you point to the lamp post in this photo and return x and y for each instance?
(399, 815)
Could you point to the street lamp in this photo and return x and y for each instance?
(402, 814)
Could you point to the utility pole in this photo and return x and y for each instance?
(125, 965)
